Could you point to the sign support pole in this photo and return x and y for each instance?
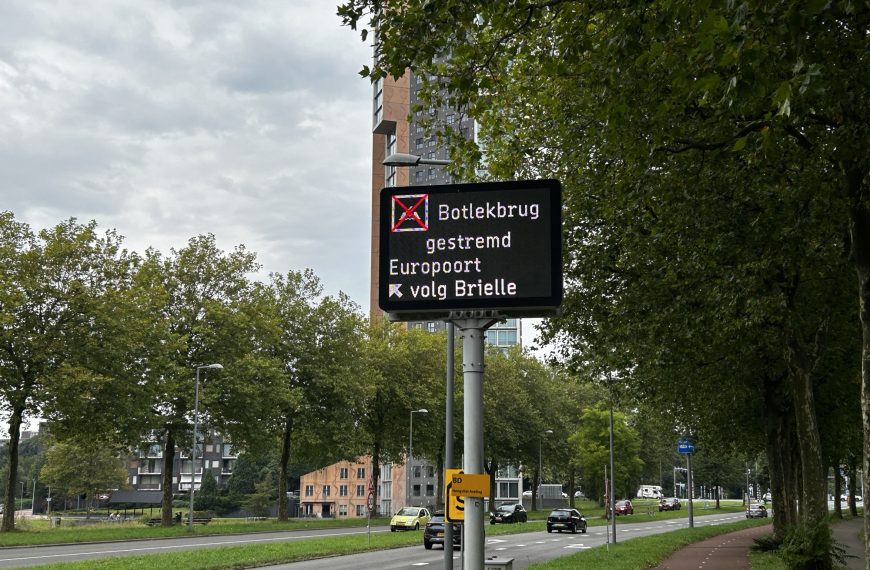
(473, 332)
(448, 443)
(691, 489)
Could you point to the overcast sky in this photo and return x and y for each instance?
(169, 119)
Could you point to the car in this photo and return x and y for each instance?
(670, 504)
(433, 532)
(579, 495)
(566, 519)
(756, 512)
(527, 493)
(508, 514)
(410, 518)
(623, 508)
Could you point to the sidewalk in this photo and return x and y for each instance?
(731, 551)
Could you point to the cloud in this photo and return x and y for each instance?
(169, 119)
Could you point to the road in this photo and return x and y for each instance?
(526, 548)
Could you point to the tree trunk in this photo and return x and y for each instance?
(859, 229)
(838, 491)
(376, 474)
(12, 482)
(492, 469)
(853, 486)
(283, 468)
(168, 461)
(440, 503)
(535, 486)
(813, 503)
(778, 446)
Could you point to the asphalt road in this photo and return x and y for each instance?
(524, 549)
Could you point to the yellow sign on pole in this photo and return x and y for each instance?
(455, 505)
(470, 485)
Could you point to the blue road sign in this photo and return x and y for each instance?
(685, 446)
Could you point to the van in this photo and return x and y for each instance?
(650, 492)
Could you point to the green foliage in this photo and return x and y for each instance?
(82, 468)
(259, 503)
(808, 546)
(590, 445)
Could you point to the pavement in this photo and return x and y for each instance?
(731, 551)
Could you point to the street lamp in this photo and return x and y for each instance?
(541, 462)
(403, 159)
(193, 447)
(411, 448)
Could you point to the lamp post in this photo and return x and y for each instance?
(402, 159)
(411, 447)
(541, 462)
(193, 447)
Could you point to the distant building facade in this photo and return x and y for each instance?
(145, 467)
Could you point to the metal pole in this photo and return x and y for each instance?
(33, 499)
(193, 449)
(448, 443)
(410, 457)
(472, 373)
(612, 472)
(691, 493)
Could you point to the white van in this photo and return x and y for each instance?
(650, 492)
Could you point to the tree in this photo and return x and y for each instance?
(50, 289)
(591, 447)
(83, 468)
(301, 348)
(196, 292)
(715, 173)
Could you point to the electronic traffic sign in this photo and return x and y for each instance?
(495, 245)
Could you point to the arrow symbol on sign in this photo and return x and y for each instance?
(394, 289)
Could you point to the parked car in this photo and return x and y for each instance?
(566, 519)
(670, 504)
(433, 532)
(527, 493)
(756, 512)
(579, 495)
(410, 518)
(623, 508)
(508, 514)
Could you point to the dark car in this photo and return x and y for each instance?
(509, 514)
(566, 519)
(433, 532)
(756, 512)
(623, 508)
(670, 504)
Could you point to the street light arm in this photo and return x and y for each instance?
(404, 159)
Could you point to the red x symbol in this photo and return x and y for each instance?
(409, 213)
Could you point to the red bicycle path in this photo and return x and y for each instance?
(731, 551)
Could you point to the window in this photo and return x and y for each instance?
(326, 490)
(152, 450)
(390, 171)
(430, 490)
(451, 118)
(342, 490)
(228, 451)
(149, 482)
(386, 491)
(342, 473)
(309, 490)
(431, 173)
(419, 142)
(360, 510)
(416, 472)
(342, 510)
(508, 489)
(150, 466)
(430, 471)
(360, 472)
(228, 465)
(360, 490)
(418, 176)
(416, 490)
(387, 472)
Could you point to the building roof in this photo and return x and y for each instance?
(137, 497)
